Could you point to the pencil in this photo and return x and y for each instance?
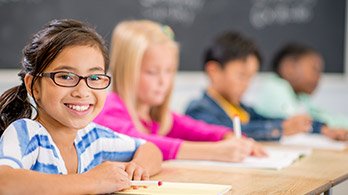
(236, 127)
(146, 183)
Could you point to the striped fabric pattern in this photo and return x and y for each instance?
(26, 144)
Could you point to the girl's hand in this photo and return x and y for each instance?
(108, 177)
(134, 171)
(236, 149)
(257, 149)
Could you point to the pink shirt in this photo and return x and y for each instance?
(116, 117)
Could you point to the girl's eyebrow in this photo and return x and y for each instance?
(65, 68)
(97, 68)
(70, 68)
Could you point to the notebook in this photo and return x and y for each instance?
(313, 141)
(175, 188)
(278, 158)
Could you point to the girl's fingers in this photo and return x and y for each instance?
(137, 174)
(130, 170)
(145, 176)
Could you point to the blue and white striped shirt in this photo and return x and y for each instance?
(27, 144)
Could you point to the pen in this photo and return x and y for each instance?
(146, 183)
(236, 127)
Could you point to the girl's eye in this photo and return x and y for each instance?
(151, 72)
(66, 76)
(94, 77)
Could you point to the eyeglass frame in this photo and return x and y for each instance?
(51, 75)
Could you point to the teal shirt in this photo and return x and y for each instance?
(276, 98)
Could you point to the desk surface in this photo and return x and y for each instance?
(313, 174)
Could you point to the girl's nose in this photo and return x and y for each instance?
(81, 90)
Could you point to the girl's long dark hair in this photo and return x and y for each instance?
(37, 55)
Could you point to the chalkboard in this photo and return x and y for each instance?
(271, 23)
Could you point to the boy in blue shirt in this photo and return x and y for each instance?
(230, 63)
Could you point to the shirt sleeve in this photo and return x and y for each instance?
(267, 130)
(187, 128)
(276, 99)
(115, 146)
(133, 141)
(15, 146)
(115, 116)
(168, 146)
(262, 128)
(317, 126)
(204, 113)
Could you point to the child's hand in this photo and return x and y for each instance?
(297, 124)
(257, 149)
(236, 149)
(232, 150)
(108, 177)
(136, 172)
(337, 134)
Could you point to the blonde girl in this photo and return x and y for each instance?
(144, 61)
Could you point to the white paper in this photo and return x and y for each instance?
(313, 141)
(278, 158)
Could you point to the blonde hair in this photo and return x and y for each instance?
(130, 40)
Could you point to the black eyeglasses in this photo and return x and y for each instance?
(69, 79)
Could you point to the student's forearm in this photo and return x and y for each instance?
(228, 135)
(229, 150)
(196, 150)
(20, 181)
(149, 157)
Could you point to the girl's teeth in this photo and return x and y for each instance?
(78, 108)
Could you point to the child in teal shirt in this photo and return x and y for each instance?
(297, 71)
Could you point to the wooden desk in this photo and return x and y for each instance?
(322, 164)
(313, 174)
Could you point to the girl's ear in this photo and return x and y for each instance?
(28, 79)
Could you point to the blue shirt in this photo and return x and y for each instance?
(27, 144)
(260, 128)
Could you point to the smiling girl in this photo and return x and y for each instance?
(60, 151)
